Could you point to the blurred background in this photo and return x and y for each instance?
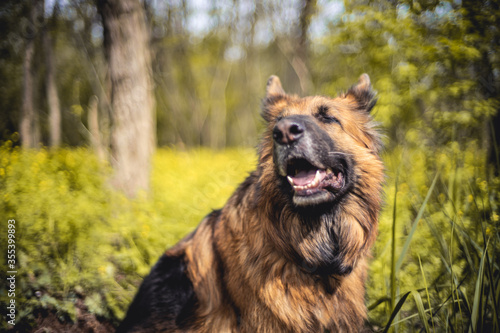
(123, 123)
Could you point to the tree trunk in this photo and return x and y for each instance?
(126, 43)
(95, 132)
(301, 60)
(295, 48)
(29, 126)
(50, 81)
(484, 69)
(218, 112)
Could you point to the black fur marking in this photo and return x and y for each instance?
(324, 117)
(323, 109)
(165, 300)
(213, 217)
(365, 98)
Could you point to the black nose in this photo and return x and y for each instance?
(287, 131)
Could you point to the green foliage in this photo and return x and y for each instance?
(432, 70)
(447, 222)
(79, 240)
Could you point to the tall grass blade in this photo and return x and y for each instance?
(421, 309)
(492, 290)
(463, 297)
(476, 246)
(415, 224)
(454, 285)
(396, 311)
(379, 301)
(412, 316)
(497, 292)
(495, 146)
(426, 292)
(476, 306)
(393, 244)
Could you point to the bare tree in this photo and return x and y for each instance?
(126, 43)
(29, 128)
(94, 131)
(300, 61)
(50, 81)
(296, 47)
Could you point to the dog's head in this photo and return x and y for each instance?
(317, 140)
(320, 159)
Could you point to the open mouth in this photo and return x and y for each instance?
(309, 180)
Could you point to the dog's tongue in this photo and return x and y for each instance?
(304, 177)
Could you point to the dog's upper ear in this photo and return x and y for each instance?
(363, 93)
(274, 87)
(274, 94)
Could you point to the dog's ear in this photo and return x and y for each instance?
(363, 93)
(274, 94)
(274, 87)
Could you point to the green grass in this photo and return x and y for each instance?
(437, 231)
(434, 267)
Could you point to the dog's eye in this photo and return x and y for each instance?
(324, 117)
(329, 119)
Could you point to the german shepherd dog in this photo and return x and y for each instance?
(288, 252)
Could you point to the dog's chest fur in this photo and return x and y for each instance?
(244, 285)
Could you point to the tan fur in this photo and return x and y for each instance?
(277, 258)
(242, 260)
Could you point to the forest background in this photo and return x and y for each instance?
(92, 217)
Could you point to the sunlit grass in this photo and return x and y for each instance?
(189, 185)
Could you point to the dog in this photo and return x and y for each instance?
(288, 252)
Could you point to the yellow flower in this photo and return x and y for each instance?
(145, 230)
(494, 217)
(484, 185)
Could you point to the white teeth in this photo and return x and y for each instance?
(316, 180)
(329, 171)
(313, 184)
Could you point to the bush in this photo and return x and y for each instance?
(80, 241)
(438, 240)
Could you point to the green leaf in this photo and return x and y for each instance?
(421, 309)
(477, 306)
(415, 224)
(396, 310)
